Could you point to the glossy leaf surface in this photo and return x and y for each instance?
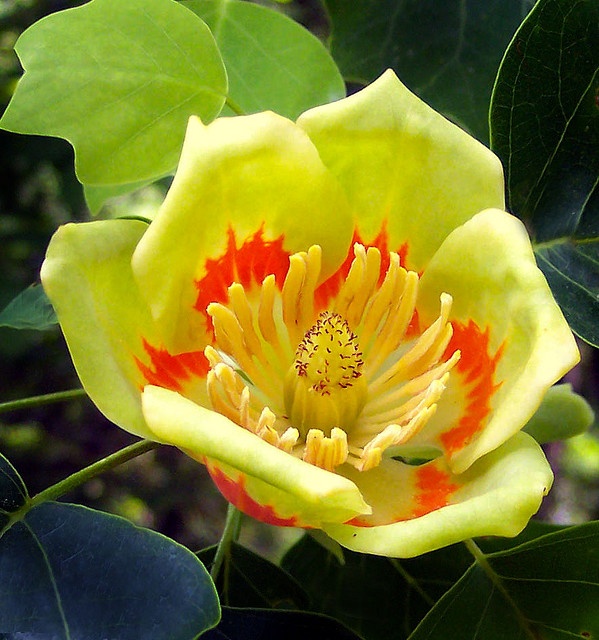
(272, 62)
(252, 581)
(383, 598)
(545, 128)
(377, 597)
(446, 52)
(550, 591)
(119, 80)
(71, 572)
(260, 624)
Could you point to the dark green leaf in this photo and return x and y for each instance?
(546, 589)
(31, 309)
(562, 414)
(379, 598)
(255, 582)
(446, 51)
(545, 128)
(69, 572)
(535, 529)
(255, 624)
(571, 267)
(119, 80)
(272, 62)
(13, 493)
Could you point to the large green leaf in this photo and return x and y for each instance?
(383, 598)
(70, 572)
(31, 309)
(261, 624)
(119, 81)
(545, 128)
(379, 598)
(546, 589)
(272, 62)
(446, 51)
(253, 581)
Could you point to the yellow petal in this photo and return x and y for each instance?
(496, 496)
(238, 177)
(87, 276)
(488, 267)
(290, 487)
(404, 166)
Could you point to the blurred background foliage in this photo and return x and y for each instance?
(162, 489)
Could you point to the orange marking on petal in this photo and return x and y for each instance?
(235, 492)
(331, 286)
(170, 371)
(434, 489)
(477, 367)
(247, 264)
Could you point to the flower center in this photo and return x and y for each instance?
(324, 387)
(342, 386)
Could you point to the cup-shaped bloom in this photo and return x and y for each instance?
(336, 316)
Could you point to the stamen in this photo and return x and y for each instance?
(241, 309)
(298, 292)
(266, 322)
(403, 413)
(230, 397)
(412, 387)
(396, 324)
(389, 292)
(290, 378)
(392, 435)
(425, 352)
(327, 453)
(360, 284)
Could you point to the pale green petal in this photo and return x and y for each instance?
(488, 266)
(403, 164)
(497, 497)
(314, 495)
(250, 173)
(87, 276)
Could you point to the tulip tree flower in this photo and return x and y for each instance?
(336, 316)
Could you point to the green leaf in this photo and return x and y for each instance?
(96, 196)
(535, 529)
(257, 624)
(13, 493)
(547, 588)
(545, 128)
(272, 62)
(71, 572)
(379, 598)
(562, 414)
(31, 309)
(446, 51)
(252, 581)
(119, 80)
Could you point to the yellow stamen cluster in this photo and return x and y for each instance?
(337, 387)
